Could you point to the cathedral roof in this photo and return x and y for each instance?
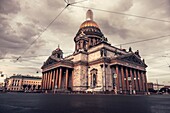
(58, 50)
(89, 26)
(89, 20)
(89, 23)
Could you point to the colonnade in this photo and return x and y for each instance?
(53, 79)
(130, 79)
(84, 44)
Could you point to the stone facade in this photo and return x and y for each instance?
(96, 65)
(23, 83)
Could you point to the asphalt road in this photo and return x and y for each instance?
(62, 103)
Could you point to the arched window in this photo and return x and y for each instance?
(93, 74)
(94, 80)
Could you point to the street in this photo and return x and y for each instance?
(70, 103)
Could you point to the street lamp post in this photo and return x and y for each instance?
(115, 76)
(55, 86)
(134, 91)
(126, 86)
(103, 77)
(130, 85)
(5, 80)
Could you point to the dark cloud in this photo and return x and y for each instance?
(124, 5)
(53, 4)
(114, 30)
(9, 6)
(157, 9)
(16, 41)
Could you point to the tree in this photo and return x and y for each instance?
(29, 87)
(24, 86)
(34, 87)
(39, 86)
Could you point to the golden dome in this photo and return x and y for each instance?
(89, 20)
(89, 23)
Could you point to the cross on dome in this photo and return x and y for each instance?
(89, 15)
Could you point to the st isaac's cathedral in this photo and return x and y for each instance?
(95, 65)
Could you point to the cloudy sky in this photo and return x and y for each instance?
(22, 21)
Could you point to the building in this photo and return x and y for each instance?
(95, 65)
(150, 85)
(23, 83)
(157, 86)
(1, 86)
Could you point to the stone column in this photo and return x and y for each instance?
(42, 82)
(106, 77)
(127, 82)
(78, 45)
(139, 78)
(52, 73)
(45, 81)
(66, 78)
(123, 81)
(132, 79)
(146, 85)
(72, 76)
(49, 84)
(103, 77)
(43, 87)
(60, 78)
(117, 79)
(136, 81)
(89, 42)
(48, 79)
(143, 81)
(56, 78)
(53, 79)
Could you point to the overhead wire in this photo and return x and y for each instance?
(68, 4)
(76, 2)
(120, 13)
(148, 39)
(166, 61)
(157, 52)
(42, 32)
(25, 57)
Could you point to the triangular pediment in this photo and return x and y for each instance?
(49, 61)
(132, 58)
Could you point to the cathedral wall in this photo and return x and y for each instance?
(113, 49)
(80, 56)
(76, 77)
(109, 78)
(94, 53)
(99, 74)
(80, 78)
(94, 56)
(69, 57)
(95, 48)
(110, 54)
(83, 77)
(100, 71)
